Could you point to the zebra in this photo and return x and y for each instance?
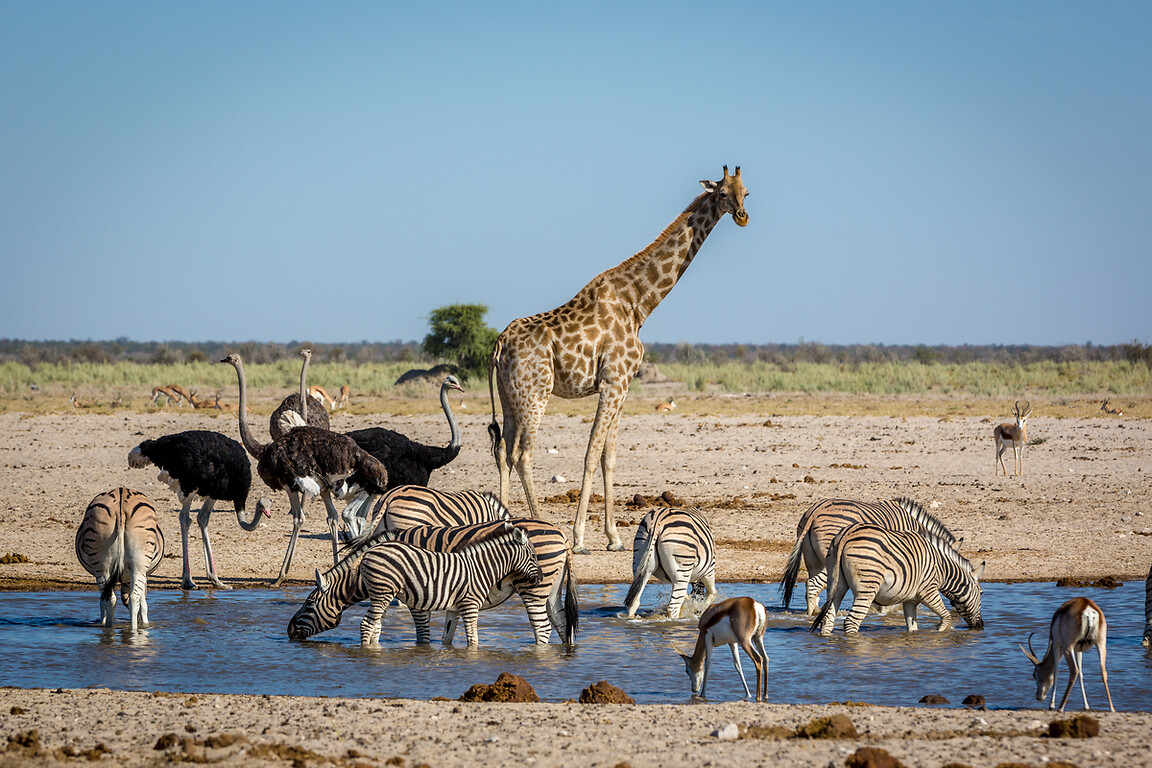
(119, 541)
(322, 611)
(676, 546)
(409, 506)
(428, 581)
(889, 567)
(1147, 639)
(826, 518)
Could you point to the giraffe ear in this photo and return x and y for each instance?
(709, 186)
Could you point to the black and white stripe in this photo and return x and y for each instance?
(890, 567)
(119, 541)
(1147, 639)
(410, 506)
(427, 581)
(675, 546)
(826, 518)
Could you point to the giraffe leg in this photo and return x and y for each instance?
(202, 518)
(607, 413)
(607, 467)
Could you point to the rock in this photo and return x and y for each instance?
(872, 757)
(507, 688)
(934, 698)
(973, 700)
(604, 692)
(834, 727)
(558, 479)
(671, 499)
(1078, 727)
(728, 732)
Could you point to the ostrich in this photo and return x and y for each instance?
(291, 413)
(409, 462)
(206, 465)
(308, 461)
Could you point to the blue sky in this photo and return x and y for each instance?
(919, 172)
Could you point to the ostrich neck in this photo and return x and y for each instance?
(253, 446)
(454, 440)
(304, 389)
(252, 524)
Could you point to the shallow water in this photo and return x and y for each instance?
(236, 642)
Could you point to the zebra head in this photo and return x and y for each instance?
(321, 611)
(967, 601)
(524, 560)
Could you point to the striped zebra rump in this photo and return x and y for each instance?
(119, 541)
(820, 524)
(1147, 639)
(426, 581)
(906, 567)
(411, 506)
(674, 546)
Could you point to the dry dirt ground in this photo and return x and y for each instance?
(1081, 510)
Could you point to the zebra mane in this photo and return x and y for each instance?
(929, 521)
(496, 533)
(944, 546)
(496, 505)
(351, 551)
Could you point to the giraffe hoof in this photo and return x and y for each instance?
(617, 547)
(581, 550)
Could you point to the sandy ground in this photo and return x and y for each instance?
(1082, 511)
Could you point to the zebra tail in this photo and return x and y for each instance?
(792, 571)
(110, 586)
(115, 560)
(832, 564)
(641, 571)
(571, 602)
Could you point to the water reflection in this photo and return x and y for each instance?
(235, 642)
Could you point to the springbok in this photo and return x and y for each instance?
(737, 621)
(1104, 407)
(181, 393)
(1076, 626)
(320, 394)
(667, 406)
(342, 398)
(1013, 434)
(166, 392)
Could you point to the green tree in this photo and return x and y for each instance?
(459, 333)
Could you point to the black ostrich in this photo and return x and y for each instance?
(409, 462)
(207, 465)
(290, 413)
(309, 461)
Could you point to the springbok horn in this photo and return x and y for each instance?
(1016, 410)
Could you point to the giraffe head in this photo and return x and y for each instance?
(730, 193)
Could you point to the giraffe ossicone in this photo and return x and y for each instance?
(591, 345)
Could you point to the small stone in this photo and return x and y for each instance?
(728, 732)
(604, 692)
(872, 757)
(934, 698)
(558, 479)
(974, 700)
(1078, 727)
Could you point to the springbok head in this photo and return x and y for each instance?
(1042, 672)
(1022, 413)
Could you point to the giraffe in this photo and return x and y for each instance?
(591, 346)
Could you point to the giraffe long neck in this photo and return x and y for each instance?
(645, 279)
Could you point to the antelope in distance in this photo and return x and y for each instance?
(342, 398)
(1104, 407)
(667, 406)
(735, 622)
(320, 394)
(180, 392)
(158, 392)
(1076, 626)
(1013, 434)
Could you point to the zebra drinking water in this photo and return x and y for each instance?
(323, 610)
(676, 546)
(409, 506)
(442, 581)
(828, 517)
(889, 567)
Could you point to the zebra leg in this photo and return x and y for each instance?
(469, 613)
(297, 504)
(186, 523)
(423, 622)
(373, 617)
(202, 518)
(910, 615)
(107, 606)
(137, 605)
(739, 671)
(935, 604)
(812, 589)
(836, 593)
(450, 622)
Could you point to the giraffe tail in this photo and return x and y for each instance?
(494, 428)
